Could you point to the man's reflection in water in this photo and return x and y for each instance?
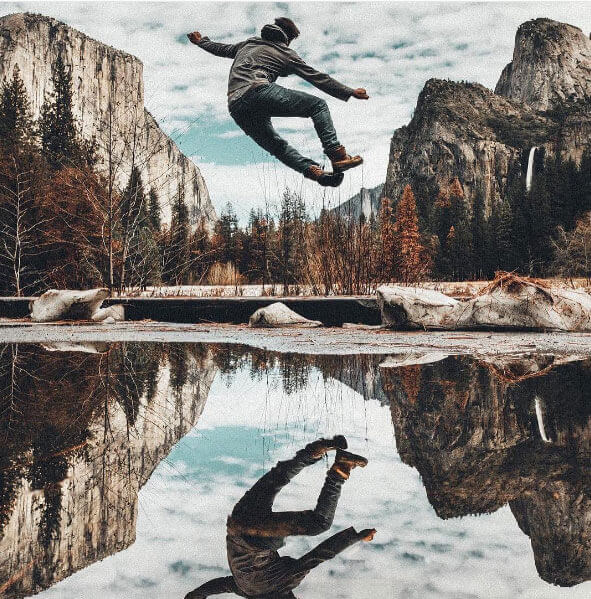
(255, 532)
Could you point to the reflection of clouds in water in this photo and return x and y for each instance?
(243, 431)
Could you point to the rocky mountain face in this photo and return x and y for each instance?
(100, 422)
(464, 130)
(551, 65)
(366, 203)
(108, 103)
(510, 429)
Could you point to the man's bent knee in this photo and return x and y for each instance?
(319, 105)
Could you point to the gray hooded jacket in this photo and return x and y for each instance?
(259, 61)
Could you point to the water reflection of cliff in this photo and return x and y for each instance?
(81, 430)
(510, 430)
(482, 434)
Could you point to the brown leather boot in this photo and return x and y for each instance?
(341, 161)
(322, 446)
(345, 462)
(323, 177)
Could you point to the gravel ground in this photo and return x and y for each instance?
(356, 340)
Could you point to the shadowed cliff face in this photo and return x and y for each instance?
(81, 432)
(518, 431)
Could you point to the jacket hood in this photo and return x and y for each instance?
(274, 33)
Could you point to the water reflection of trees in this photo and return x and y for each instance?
(510, 430)
(360, 372)
(82, 430)
(294, 369)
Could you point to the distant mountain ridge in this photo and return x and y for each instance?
(366, 202)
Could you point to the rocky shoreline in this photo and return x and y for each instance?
(331, 341)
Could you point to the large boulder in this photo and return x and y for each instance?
(279, 315)
(67, 304)
(416, 308)
(508, 302)
(522, 303)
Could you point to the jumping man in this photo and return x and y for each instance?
(254, 97)
(256, 532)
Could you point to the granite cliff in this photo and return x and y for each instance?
(95, 423)
(551, 65)
(366, 203)
(511, 429)
(108, 103)
(464, 130)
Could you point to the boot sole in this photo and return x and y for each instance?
(351, 458)
(345, 166)
(333, 180)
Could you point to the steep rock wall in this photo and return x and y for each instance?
(466, 131)
(551, 65)
(108, 103)
(90, 511)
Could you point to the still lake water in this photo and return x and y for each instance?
(120, 463)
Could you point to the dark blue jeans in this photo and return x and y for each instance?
(256, 506)
(254, 109)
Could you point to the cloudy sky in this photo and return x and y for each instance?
(390, 48)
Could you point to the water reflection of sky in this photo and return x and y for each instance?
(247, 425)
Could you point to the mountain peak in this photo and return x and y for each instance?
(14, 24)
(551, 65)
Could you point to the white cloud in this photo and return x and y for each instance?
(230, 134)
(390, 48)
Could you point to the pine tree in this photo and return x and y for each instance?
(201, 252)
(17, 130)
(388, 257)
(21, 184)
(585, 181)
(225, 236)
(259, 254)
(500, 243)
(179, 249)
(449, 211)
(479, 237)
(518, 252)
(133, 220)
(60, 139)
(541, 229)
(411, 255)
(154, 210)
(292, 219)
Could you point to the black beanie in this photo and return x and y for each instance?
(288, 26)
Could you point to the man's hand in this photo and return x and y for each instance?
(367, 534)
(360, 93)
(195, 37)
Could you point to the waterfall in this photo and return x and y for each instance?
(530, 168)
(366, 204)
(540, 417)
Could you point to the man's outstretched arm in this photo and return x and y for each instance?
(332, 547)
(323, 81)
(216, 586)
(223, 50)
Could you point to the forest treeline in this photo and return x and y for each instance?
(64, 223)
(430, 232)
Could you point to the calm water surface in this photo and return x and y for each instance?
(119, 465)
